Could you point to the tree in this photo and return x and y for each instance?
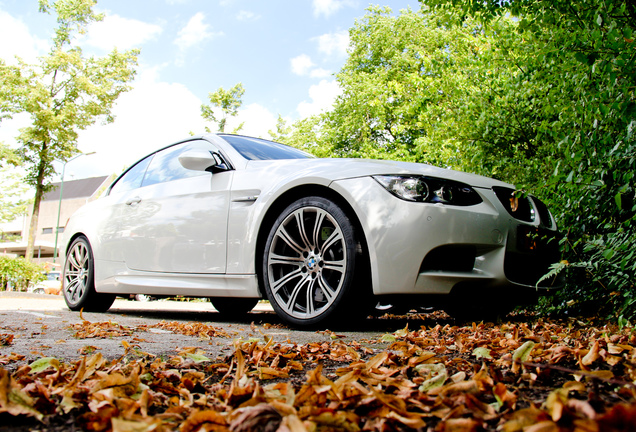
(63, 93)
(403, 84)
(12, 188)
(228, 101)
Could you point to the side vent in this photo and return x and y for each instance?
(450, 258)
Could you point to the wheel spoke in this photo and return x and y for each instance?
(309, 299)
(287, 238)
(291, 301)
(277, 285)
(300, 222)
(73, 288)
(287, 260)
(338, 266)
(335, 237)
(320, 217)
(326, 289)
(73, 259)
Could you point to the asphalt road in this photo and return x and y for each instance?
(41, 326)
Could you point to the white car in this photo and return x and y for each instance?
(51, 285)
(238, 219)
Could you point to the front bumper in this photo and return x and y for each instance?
(422, 248)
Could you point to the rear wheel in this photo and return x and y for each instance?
(309, 262)
(79, 280)
(233, 305)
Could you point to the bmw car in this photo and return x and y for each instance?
(238, 219)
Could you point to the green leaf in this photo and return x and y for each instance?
(198, 358)
(438, 372)
(44, 363)
(387, 337)
(619, 200)
(521, 354)
(581, 57)
(482, 352)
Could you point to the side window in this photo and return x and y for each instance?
(165, 165)
(133, 177)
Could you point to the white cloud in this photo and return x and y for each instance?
(322, 97)
(301, 65)
(18, 40)
(319, 73)
(258, 121)
(247, 16)
(329, 7)
(334, 43)
(123, 33)
(150, 116)
(194, 32)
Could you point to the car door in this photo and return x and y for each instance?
(176, 221)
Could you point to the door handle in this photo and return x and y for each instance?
(133, 201)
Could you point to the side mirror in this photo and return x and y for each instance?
(202, 160)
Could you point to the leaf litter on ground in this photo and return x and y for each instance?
(543, 375)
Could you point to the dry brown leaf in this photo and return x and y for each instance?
(262, 417)
(204, 420)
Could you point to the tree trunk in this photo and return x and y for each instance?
(35, 214)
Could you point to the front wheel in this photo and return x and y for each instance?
(79, 280)
(309, 262)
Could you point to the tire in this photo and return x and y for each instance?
(39, 291)
(233, 305)
(79, 280)
(309, 263)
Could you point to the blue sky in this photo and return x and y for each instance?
(285, 52)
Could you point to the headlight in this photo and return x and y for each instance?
(429, 189)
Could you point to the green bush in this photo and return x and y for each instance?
(17, 273)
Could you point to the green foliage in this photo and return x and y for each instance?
(228, 101)
(63, 93)
(12, 188)
(306, 134)
(573, 94)
(392, 60)
(17, 273)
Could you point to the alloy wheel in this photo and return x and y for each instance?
(307, 262)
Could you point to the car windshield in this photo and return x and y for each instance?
(259, 149)
(53, 276)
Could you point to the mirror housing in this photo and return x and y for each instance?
(202, 160)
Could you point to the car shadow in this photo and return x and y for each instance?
(377, 324)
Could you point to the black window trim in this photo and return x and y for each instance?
(227, 161)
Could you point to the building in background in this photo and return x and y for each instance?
(75, 194)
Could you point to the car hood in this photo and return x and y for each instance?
(339, 169)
